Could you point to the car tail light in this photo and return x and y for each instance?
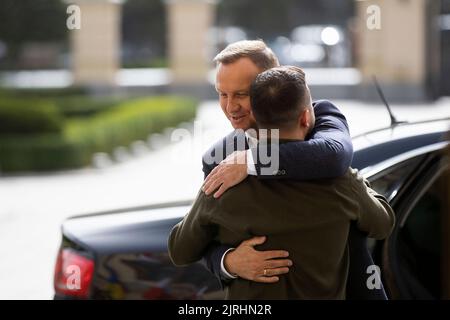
(73, 274)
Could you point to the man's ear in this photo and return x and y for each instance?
(304, 118)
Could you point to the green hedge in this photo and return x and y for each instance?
(119, 126)
(43, 152)
(131, 121)
(84, 106)
(43, 93)
(68, 103)
(28, 116)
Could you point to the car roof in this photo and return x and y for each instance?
(379, 145)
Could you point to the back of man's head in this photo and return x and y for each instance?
(256, 50)
(278, 97)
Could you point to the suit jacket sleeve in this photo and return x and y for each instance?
(213, 254)
(327, 153)
(374, 215)
(236, 140)
(190, 238)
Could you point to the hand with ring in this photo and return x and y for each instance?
(260, 266)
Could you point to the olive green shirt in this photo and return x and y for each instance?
(309, 219)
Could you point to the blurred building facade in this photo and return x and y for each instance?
(96, 45)
(409, 53)
(403, 51)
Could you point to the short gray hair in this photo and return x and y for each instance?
(256, 50)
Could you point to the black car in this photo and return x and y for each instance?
(122, 254)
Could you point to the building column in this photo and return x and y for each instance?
(397, 52)
(96, 46)
(188, 25)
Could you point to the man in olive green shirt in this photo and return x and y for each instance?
(309, 219)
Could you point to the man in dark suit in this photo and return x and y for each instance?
(311, 219)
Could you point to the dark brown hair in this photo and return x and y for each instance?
(278, 96)
(256, 50)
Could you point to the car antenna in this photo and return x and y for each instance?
(394, 121)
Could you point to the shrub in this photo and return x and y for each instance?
(84, 106)
(43, 152)
(130, 121)
(74, 146)
(18, 116)
(69, 103)
(43, 93)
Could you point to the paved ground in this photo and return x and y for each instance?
(33, 207)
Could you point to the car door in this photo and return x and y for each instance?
(411, 257)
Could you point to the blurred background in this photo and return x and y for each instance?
(90, 96)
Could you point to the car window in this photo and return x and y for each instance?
(389, 181)
(418, 245)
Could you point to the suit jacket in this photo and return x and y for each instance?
(294, 216)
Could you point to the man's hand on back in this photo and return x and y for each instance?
(259, 266)
(231, 171)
